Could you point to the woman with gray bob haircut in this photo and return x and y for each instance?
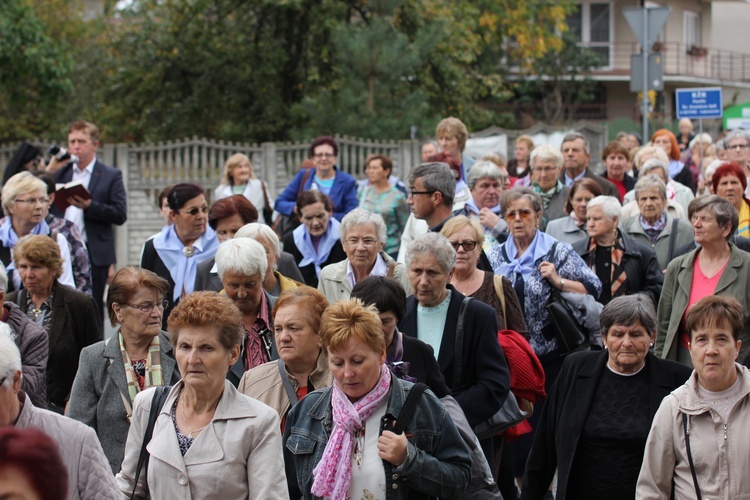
(243, 256)
(623, 379)
(434, 244)
(484, 170)
(274, 281)
(363, 235)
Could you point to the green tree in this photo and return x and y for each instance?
(35, 73)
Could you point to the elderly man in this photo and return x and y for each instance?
(242, 265)
(486, 185)
(436, 315)
(32, 341)
(432, 188)
(89, 474)
(545, 162)
(577, 154)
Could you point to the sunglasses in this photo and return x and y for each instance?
(468, 245)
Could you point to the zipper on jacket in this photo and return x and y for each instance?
(725, 432)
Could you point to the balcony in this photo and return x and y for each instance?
(680, 61)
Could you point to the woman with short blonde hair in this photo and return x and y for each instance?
(239, 178)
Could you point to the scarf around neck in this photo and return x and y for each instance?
(473, 208)
(333, 474)
(617, 274)
(9, 238)
(395, 356)
(153, 375)
(525, 265)
(169, 247)
(304, 243)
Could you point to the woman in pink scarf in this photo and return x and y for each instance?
(337, 444)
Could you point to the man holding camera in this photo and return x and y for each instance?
(93, 215)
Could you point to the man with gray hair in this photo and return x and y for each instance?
(577, 153)
(31, 341)
(242, 265)
(89, 474)
(737, 144)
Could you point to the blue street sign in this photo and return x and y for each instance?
(699, 103)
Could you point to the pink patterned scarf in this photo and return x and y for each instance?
(333, 474)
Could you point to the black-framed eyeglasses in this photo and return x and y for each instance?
(2, 381)
(468, 245)
(194, 211)
(147, 307)
(414, 193)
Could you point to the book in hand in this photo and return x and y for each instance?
(65, 191)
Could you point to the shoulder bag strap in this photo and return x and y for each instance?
(290, 393)
(407, 411)
(690, 455)
(391, 269)
(304, 181)
(125, 401)
(500, 295)
(160, 397)
(265, 194)
(458, 355)
(672, 238)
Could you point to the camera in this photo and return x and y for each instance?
(62, 154)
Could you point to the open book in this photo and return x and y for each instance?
(65, 191)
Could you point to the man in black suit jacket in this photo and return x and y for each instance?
(95, 216)
(577, 153)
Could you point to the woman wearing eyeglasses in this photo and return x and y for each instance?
(112, 372)
(25, 202)
(536, 263)
(339, 186)
(466, 237)
(67, 316)
(174, 253)
(363, 235)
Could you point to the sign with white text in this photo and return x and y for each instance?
(699, 103)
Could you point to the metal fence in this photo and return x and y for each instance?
(148, 168)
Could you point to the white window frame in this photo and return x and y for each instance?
(691, 21)
(585, 6)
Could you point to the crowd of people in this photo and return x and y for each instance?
(371, 338)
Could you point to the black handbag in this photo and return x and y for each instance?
(509, 414)
(157, 402)
(571, 335)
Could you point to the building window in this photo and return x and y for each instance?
(691, 29)
(591, 24)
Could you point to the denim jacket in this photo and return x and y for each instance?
(437, 461)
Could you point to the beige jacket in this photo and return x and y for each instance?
(89, 474)
(237, 456)
(264, 383)
(721, 450)
(335, 285)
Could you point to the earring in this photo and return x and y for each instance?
(652, 344)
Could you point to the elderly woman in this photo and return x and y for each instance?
(88, 473)
(577, 435)
(25, 202)
(465, 237)
(480, 382)
(678, 196)
(111, 373)
(616, 158)
(729, 182)
(336, 444)
(667, 141)
(315, 244)
(275, 280)
(699, 146)
(716, 267)
(518, 166)
(486, 184)
(205, 425)
(686, 134)
(382, 198)
(31, 465)
(363, 235)
(452, 135)
(339, 186)
(623, 265)
(242, 264)
(302, 366)
(573, 227)
(655, 226)
(67, 316)
(546, 162)
(239, 179)
(175, 252)
(697, 447)
(226, 216)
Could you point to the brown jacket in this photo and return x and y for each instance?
(264, 383)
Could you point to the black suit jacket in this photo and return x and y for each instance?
(567, 408)
(75, 325)
(108, 206)
(485, 379)
(608, 189)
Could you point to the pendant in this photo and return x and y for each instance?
(188, 251)
(359, 444)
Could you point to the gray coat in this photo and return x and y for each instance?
(566, 230)
(100, 390)
(666, 240)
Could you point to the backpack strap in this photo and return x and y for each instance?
(458, 355)
(410, 405)
(157, 402)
